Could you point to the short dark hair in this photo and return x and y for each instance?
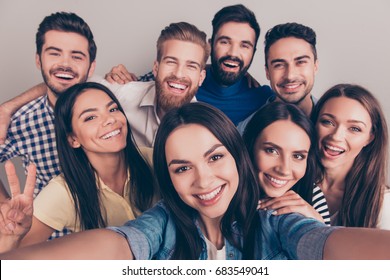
(290, 29)
(235, 13)
(67, 22)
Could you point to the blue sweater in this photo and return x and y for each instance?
(237, 101)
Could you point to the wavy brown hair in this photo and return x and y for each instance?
(365, 183)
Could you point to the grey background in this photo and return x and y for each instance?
(353, 37)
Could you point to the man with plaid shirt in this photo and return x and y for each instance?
(66, 53)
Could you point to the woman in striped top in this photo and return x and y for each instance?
(279, 139)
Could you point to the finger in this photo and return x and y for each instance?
(133, 77)
(13, 180)
(109, 79)
(30, 181)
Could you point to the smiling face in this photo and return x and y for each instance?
(178, 74)
(232, 52)
(280, 163)
(64, 61)
(291, 69)
(344, 128)
(99, 128)
(202, 170)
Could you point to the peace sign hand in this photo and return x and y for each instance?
(16, 213)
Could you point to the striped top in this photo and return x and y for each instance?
(320, 205)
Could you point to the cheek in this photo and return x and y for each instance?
(299, 170)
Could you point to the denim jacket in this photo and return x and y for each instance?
(291, 236)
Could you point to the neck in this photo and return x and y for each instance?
(112, 170)
(52, 98)
(212, 231)
(160, 112)
(306, 105)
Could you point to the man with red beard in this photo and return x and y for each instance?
(182, 53)
(66, 53)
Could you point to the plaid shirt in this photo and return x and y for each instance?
(31, 136)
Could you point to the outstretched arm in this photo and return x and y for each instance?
(8, 108)
(16, 213)
(358, 243)
(88, 245)
(290, 202)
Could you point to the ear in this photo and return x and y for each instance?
(266, 72)
(316, 64)
(202, 77)
(155, 68)
(92, 69)
(372, 137)
(72, 140)
(38, 61)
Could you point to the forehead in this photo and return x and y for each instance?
(237, 31)
(189, 141)
(290, 47)
(91, 97)
(65, 41)
(182, 50)
(279, 131)
(344, 108)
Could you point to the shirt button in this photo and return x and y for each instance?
(231, 255)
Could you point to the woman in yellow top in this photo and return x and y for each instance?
(97, 154)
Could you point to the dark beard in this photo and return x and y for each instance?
(55, 90)
(227, 78)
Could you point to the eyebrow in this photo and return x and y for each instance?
(281, 148)
(208, 152)
(229, 38)
(51, 48)
(348, 121)
(95, 109)
(187, 61)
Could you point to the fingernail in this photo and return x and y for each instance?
(275, 213)
(10, 226)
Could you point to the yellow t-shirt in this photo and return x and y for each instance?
(54, 205)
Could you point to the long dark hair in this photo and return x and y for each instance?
(79, 174)
(365, 183)
(242, 208)
(276, 111)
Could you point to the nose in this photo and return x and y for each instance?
(203, 177)
(233, 50)
(108, 120)
(338, 133)
(179, 71)
(291, 72)
(283, 166)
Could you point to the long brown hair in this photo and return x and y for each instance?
(365, 183)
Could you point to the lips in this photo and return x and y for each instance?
(278, 183)
(110, 134)
(229, 63)
(177, 86)
(291, 86)
(333, 150)
(210, 198)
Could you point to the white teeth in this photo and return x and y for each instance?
(231, 64)
(177, 86)
(111, 134)
(291, 86)
(211, 195)
(334, 148)
(276, 181)
(65, 76)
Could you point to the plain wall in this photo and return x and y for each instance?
(353, 37)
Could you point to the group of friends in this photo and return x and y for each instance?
(193, 161)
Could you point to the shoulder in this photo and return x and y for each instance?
(34, 107)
